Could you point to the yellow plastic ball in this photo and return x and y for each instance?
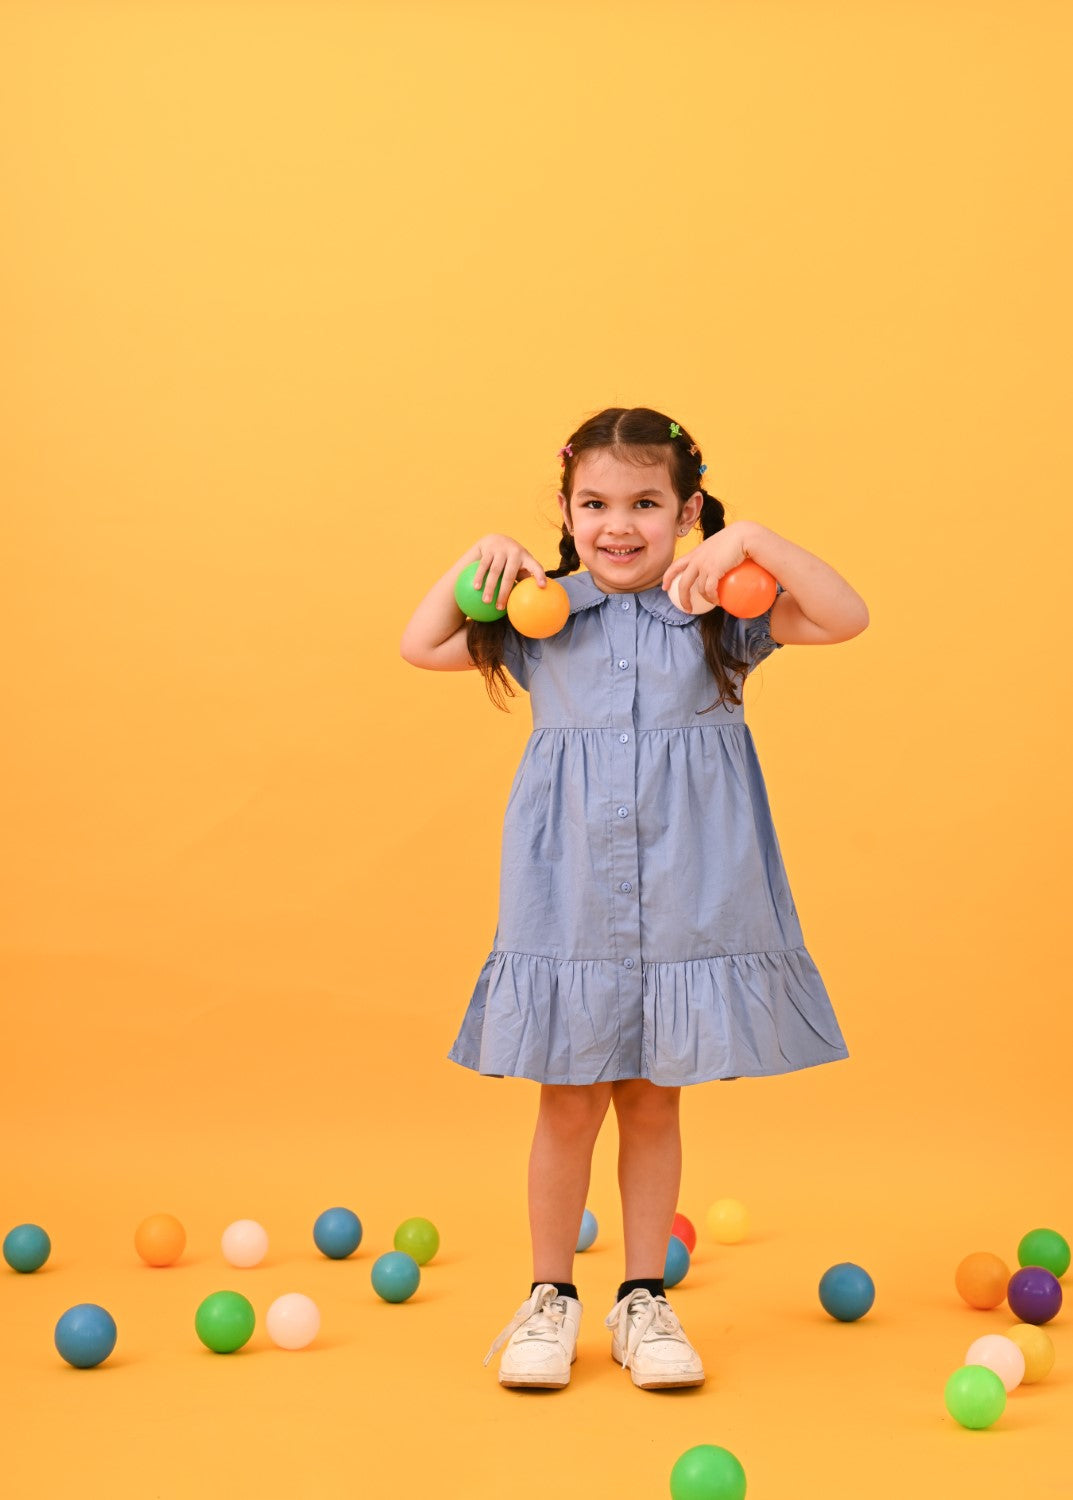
(1037, 1349)
(728, 1221)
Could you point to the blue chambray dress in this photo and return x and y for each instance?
(646, 926)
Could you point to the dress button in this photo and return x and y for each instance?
(625, 604)
(623, 812)
(627, 963)
(624, 739)
(624, 664)
(626, 886)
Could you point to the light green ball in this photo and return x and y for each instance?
(1046, 1248)
(471, 601)
(419, 1238)
(975, 1396)
(707, 1473)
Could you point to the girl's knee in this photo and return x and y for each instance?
(575, 1106)
(638, 1102)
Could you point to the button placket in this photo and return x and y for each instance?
(624, 872)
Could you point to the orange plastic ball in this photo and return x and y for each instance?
(160, 1240)
(538, 612)
(982, 1279)
(747, 590)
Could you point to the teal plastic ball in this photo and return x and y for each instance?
(676, 1265)
(337, 1233)
(85, 1335)
(471, 601)
(27, 1247)
(847, 1292)
(396, 1276)
(587, 1233)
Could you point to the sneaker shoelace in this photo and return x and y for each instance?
(640, 1314)
(544, 1311)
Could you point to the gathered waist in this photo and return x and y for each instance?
(702, 721)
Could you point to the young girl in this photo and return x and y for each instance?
(647, 937)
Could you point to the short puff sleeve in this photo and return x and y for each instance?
(750, 640)
(521, 655)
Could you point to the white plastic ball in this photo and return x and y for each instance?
(244, 1243)
(1001, 1355)
(293, 1321)
(701, 605)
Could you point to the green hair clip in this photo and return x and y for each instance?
(676, 431)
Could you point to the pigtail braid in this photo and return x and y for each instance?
(728, 671)
(712, 515)
(569, 560)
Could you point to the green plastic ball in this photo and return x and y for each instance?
(975, 1396)
(708, 1473)
(1046, 1248)
(224, 1322)
(419, 1238)
(471, 601)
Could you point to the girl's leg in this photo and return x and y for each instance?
(567, 1125)
(646, 1334)
(649, 1171)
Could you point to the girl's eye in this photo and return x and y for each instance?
(592, 504)
(646, 503)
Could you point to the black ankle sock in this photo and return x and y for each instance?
(563, 1288)
(655, 1286)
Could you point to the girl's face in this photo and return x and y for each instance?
(625, 519)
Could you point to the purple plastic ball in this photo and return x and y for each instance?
(1034, 1295)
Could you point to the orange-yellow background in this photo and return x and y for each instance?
(298, 299)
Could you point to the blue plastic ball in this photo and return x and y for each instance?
(588, 1232)
(27, 1247)
(677, 1263)
(85, 1335)
(847, 1292)
(396, 1276)
(337, 1233)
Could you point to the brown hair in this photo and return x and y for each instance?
(641, 436)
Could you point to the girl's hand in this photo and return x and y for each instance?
(702, 568)
(817, 607)
(502, 555)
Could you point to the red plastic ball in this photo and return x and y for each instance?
(685, 1232)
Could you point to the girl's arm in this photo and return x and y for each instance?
(817, 606)
(436, 635)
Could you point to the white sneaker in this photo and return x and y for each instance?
(647, 1337)
(541, 1341)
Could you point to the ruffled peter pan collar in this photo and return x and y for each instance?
(583, 593)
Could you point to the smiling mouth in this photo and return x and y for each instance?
(622, 552)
